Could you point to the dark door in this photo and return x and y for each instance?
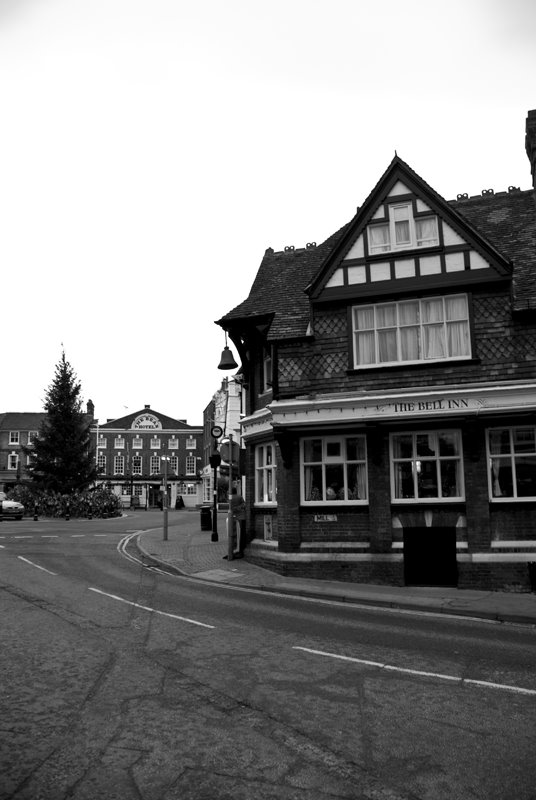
(430, 557)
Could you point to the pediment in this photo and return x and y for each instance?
(406, 235)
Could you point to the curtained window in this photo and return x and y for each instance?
(426, 465)
(512, 463)
(431, 329)
(334, 470)
(402, 230)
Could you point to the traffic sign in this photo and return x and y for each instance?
(216, 431)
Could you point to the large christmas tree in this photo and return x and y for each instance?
(61, 458)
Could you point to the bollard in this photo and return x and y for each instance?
(35, 512)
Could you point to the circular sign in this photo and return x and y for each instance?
(216, 431)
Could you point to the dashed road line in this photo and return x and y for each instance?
(151, 610)
(420, 673)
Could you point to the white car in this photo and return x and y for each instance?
(11, 508)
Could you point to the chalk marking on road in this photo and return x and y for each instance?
(36, 565)
(454, 678)
(151, 610)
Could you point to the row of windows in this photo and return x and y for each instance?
(402, 231)
(431, 329)
(15, 437)
(138, 443)
(156, 466)
(424, 466)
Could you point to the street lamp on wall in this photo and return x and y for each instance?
(227, 360)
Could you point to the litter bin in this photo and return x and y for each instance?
(206, 518)
(532, 575)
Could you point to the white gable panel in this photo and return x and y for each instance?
(399, 188)
(450, 236)
(477, 262)
(357, 250)
(357, 275)
(337, 279)
(421, 205)
(379, 213)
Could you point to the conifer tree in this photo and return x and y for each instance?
(61, 455)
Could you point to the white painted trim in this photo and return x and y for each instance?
(476, 399)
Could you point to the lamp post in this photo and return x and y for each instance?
(165, 459)
(227, 362)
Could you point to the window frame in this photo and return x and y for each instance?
(13, 461)
(413, 242)
(423, 327)
(137, 468)
(119, 460)
(416, 459)
(189, 459)
(333, 460)
(265, 474)
(511, 456)
(14, 437)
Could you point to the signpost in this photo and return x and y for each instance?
(215, 460)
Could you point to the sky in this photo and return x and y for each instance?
(151, 150)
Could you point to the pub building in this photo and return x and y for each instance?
(390, 432)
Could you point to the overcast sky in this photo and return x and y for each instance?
(151, 150)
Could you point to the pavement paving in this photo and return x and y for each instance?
(190, 551)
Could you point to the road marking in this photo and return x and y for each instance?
(454, 678)
(77, 535)
(22, 537)
(151, 610)
(36, 565)
(50, 536)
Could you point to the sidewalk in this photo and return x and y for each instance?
(190, 551)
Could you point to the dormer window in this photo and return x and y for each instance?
(403, 231)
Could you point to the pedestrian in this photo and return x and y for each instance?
(238, 512)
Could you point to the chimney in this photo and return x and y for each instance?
(90, 409)
(147, 406)
(530, 143)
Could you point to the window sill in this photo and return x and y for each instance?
(404, 365)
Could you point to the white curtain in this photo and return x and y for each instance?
(379, 238)
(457, 326)
(426, 230)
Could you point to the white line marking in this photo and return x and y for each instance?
(23, 537)
(151, 610)
(461, 681)
(50, 536)
(100, 534)
(36, 565)
(77, 535)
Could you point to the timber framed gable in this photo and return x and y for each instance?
(406, 238)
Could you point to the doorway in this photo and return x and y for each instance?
(430, 557)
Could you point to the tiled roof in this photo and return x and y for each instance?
(508, 221)
(168, 423)
(279, 289)
(21, 421)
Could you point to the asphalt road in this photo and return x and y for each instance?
(119, 681)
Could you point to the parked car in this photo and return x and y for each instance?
(11, 508)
